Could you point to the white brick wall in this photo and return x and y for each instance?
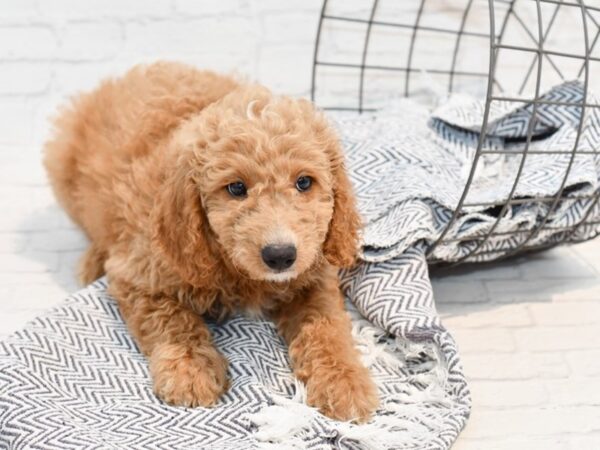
(528, 329)
(52, 49)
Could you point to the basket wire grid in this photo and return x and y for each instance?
(528, 37)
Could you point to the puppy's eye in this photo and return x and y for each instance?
(237, 189)
(303, 183)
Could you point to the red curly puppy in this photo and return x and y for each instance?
(202, 196)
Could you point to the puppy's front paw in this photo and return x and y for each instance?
(188, 377)
(344, 392)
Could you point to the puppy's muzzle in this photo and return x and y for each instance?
(279, 257)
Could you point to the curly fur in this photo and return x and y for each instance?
(141, 164)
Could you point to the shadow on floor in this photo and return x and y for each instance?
(559, 274)
(54, 245)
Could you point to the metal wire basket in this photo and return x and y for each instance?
(368, 50)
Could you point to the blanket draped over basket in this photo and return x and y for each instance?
(74, 378)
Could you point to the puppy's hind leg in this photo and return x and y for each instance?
(91, 264)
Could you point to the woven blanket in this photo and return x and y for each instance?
(410, 168)
(74, 378)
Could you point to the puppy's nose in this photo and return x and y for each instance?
(279, 257)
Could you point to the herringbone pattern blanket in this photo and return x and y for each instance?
(74, 378)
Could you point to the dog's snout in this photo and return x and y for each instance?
(279, 257)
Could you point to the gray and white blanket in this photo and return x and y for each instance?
(74, 378)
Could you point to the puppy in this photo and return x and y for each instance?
(202, 196)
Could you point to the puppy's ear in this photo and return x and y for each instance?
(180, 225)
(341, 243)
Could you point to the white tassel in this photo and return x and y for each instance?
(283, 420)
(283, 424)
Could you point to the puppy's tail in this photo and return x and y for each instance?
(91, 264)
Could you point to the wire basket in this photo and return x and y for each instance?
(367, 51)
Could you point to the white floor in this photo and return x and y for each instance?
(528, 329)
(529, 334)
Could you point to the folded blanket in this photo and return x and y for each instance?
(410, 167)
(74, 378)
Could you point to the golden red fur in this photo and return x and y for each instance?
(145, 164)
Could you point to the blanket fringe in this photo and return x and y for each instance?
(283, 424)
